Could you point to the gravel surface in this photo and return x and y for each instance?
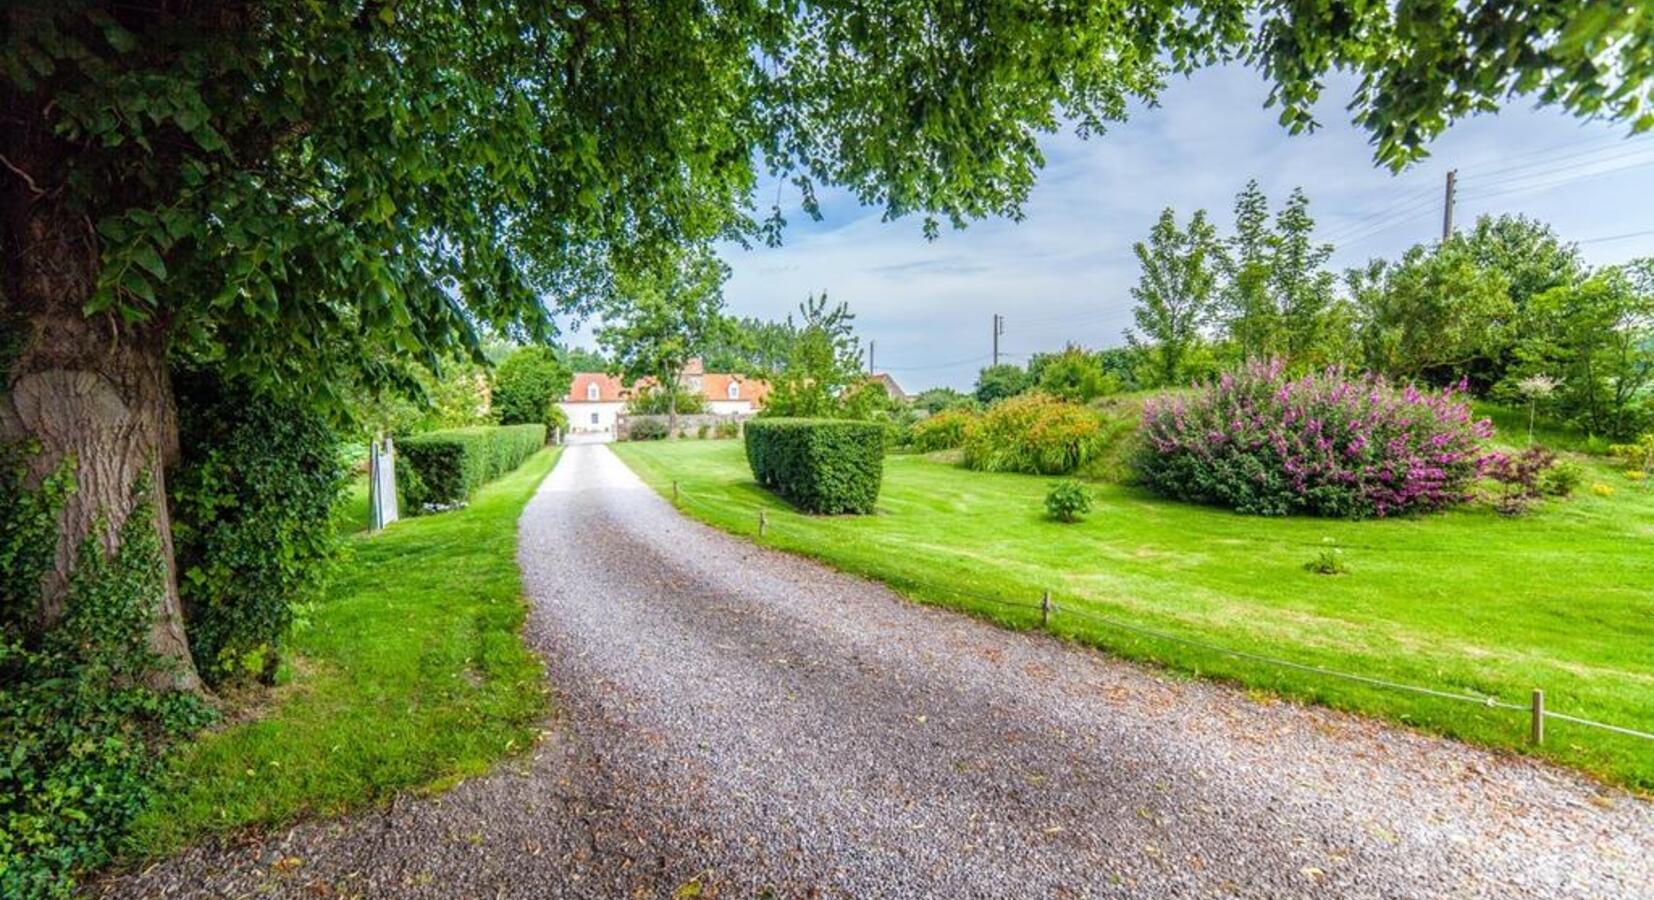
(736, 722)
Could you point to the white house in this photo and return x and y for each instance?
(595, 399)
(592, 403)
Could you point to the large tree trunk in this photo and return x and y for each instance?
(91, 389)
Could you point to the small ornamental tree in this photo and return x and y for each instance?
(1325, 444)
(822, 363)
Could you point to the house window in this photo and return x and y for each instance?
(592, 392)
(734, 391)
(594, 418)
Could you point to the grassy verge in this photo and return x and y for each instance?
(1466, 601)
(350, 516)
(412, 674)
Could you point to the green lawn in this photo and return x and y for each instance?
(1465, 601)
(350, 516)
(411, 674)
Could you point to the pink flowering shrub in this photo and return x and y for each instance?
(1326, 444)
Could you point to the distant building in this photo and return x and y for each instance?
(593, 402)
(890, 386)
(595, 399)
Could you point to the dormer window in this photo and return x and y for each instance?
(734, 391)
(592, 391)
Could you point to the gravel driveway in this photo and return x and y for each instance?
(735, 722)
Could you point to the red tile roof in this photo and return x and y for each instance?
(714, 386)
(609, 388)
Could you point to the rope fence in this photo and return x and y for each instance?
(1537, 713)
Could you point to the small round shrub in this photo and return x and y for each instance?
(1330, 561)
(646, 430)
(943, 431)
(1325, 444)
(727, 429)
(1067, 501)
(1033, 433)
(1562, 479)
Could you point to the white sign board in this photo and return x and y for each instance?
(382, 483)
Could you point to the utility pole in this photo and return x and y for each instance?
(870, 346)
(999, 329)
(1447, 205)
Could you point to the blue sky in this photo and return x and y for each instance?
(1064, 273)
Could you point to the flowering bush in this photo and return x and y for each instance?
(943, 431)
(1033, 433)
(1326, 444)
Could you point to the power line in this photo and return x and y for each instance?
(946, 365)
(1412, 215)
(1602, 154)
(1406, 205)
(1616, 237)
(1556, 182)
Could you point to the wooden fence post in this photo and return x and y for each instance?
(674, 492)
(763, 523)
(1045, 610)
(1536, 732)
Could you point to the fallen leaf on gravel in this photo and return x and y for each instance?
(1312, 873)
(687, 890)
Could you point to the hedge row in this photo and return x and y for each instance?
(442, 468)
(821, 465)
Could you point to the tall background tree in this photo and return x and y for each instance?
(755, 347)
(1249, 314)
(1177, 292)
(995, 383)
(663, 317)
(527, 385)
(300, 191)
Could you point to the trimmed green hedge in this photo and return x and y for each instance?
(442, 468)
(821, 465)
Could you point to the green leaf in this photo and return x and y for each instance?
(136, 283)
(143, 253)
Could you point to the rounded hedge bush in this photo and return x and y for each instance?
(1325, 444)
(828, 466)
(1033, 433)
(942, 431)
